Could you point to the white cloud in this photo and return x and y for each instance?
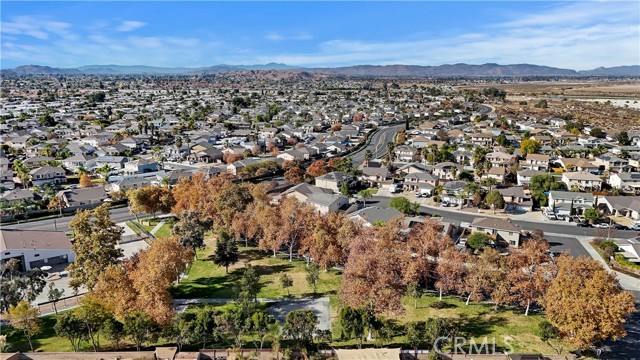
(127, 26)
(274, 36)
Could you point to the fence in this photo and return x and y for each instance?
(64, 303)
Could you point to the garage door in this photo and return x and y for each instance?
(36, 264)
(62, 259)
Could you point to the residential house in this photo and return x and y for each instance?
(453, 193)
(498, 158)
(17, 195)
(114, 162)
(140, 166)
(83, 197)
(515, 199)
(630, 249)
(481, 139)
(35, 248)
(624, 206)
(78, 161)
(578, 164)
(569, 202)
(447, 171)
(333, 180)
(503, 231)
(496, 173)
(627, 182)
(582, 180)
(423, 183)
(129, 182)
(612, 163)
(405, 153)
(372, 215)
(54, 175)
(374, 176)
(537, 162)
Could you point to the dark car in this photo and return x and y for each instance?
(583, 224)
(621, 227)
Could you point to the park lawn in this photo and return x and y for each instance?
(207, 280)
(165, 229)
(476, 321)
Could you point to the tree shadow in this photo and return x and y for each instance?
(480, 325)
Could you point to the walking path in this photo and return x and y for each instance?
(157, 227)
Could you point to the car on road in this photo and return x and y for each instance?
(601, 226)
(620, 227)
(583, 224)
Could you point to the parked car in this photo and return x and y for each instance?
(620, 227)
(444, 204)
(601, 226)
(583, 224)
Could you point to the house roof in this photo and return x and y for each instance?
(84, 194)
(586, 176)
(495, 223)
(374, 214)
(14, 239)
(568, 195)
(624, 202)
(515, 191)
(334, 176)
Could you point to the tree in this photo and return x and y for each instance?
(530, 272)
(403, 205)
(353, 324)
(85, 181)
(585, 302)
(24, 317)
(494, 199)
(150, 200)
(69, 326)
(249, 287)
(261, 324)
(478, 240)
(294, 175)
(592, 215)
(113, 330)
(415, 292)
(344, 189)
(180, 329)
(597, 132)
(450, 270)
(226, 251)
(317, 168)
(300, 325)
(234, 323)
(372, 277)
(313, 275)
(286, 282)
(414, 333)
(550, 335)
(93, 315)
(16, 286)
(623, 138)
(190, 229)
(54, 295)
(139, 327)
(530, 146)
(204, 325)
(152, 282)
(96, 237)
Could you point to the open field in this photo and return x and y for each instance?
(630, 88)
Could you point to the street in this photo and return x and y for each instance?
(378, 144)
(62, 224)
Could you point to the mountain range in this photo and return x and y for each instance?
(464, 70)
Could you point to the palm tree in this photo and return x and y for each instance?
(368, 155)
(489, 182)
(104, 170)
(23, 172)
(81, 170)
(471, 188)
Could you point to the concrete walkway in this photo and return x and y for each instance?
(157, 227)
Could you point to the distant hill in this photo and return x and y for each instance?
(465, 70)
(613, 71)
(450, 70)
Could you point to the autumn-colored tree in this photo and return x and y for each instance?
(372, 278)
(96, 237)
(294, 175)
(230, 199)
(190, 194)
(530, 146)
(114, 290)
(327, 244)
(585, 302)
(230, 158)
(287, 225)
(24, 317)
(493, 269)
(531, 272)
(450, 271)
(427, 242)
(85, 181)
(150, 200)
(317, 168)
(152, 282)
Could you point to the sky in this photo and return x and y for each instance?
(577, 35)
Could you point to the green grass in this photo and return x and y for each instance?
(207, 280)
(165, 229)
(624, 262)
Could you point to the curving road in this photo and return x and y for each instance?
(378, 143)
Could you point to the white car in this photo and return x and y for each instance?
(601, 225)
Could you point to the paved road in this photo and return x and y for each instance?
(62, 224)
(378, 143)
(484, 109)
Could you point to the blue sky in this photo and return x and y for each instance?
(578, 35)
